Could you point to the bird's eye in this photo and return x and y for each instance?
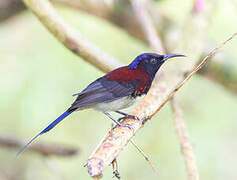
(153, 61)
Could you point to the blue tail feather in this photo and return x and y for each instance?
(55, 122)
(48, 128)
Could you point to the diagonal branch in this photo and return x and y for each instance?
(116, 140)
(69, 37)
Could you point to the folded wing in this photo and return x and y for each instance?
(100, 91)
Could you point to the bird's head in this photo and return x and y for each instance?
(151, 61)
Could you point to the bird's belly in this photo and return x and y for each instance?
(115, 105)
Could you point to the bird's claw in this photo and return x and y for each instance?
(123, 125)
(137, 118)
(133, 117)
(129, 116)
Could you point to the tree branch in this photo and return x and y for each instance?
(69, 37)
(116, 140)
(120, 14)
(43, 149)
(185, 144)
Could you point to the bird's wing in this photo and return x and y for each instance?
(102, 90)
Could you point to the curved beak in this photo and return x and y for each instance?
(168, 56)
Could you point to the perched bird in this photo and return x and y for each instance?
(116, 90)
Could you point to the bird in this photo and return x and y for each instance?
(115, 90)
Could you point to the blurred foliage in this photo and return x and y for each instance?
(38, 76)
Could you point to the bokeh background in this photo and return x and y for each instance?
(38, 75)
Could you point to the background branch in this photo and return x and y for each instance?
(69, 37)
(9, 8)
(183, 136)
(120, 14)
(149, 29)
(41, 148)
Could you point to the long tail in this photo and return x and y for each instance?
(48, 128)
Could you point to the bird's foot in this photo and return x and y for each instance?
(122, 124)
(126, 125)
(129, 116)
(133, 117)
(118, 122)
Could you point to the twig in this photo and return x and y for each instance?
(69, 37)
(43, 149)
(222, 72)
(145, 156)
(183, 136)
(114, 143)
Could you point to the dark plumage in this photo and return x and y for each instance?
(117, 89)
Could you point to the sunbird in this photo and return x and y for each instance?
(115, 90)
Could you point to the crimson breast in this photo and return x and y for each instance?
(138, 77)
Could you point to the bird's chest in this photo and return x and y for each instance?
(115, 105)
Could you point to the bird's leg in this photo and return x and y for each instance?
(117, 122)
(127, 116)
